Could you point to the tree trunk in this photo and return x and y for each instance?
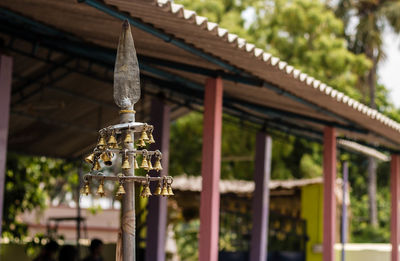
(372, 164)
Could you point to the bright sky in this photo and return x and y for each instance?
(389, 70)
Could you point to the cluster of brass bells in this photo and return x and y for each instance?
(108, 144)
(146, 164)
(100, 190)
(145, 138)
(105, 156)
(164, 190)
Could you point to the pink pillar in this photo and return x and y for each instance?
(329, 193)
(157, 207)
(395, 191)
(5, 96)
(210, 171)
(262, 173)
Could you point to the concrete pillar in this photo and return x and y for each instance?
(329, 164)
(6, 63)
(262, 174)
(211, 171)
(157, 206)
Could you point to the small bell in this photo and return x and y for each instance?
(150, 166)
(164, 191)
(144, 164)
(100, 190)
(86, 189)
(90, 158)
(157, 192)
(128, 138)
(157, 165)
(141, 143)
(96, 165)
(101, 143)
(106, 158)
(125, 164)
(151, 139)
(112, 141)
(120, 191)
(170, 192)
(146, 191)
(143, 136)
(135, 164)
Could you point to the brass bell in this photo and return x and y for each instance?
(141, 143)
(143, 136)
(90, 158)
(164, 191)
(135, 164)
(86, 189)
(151, 139)
(150, 166)
(144, 164)
(112, 141)
(101, 143)
(126, 164)
(157, 165)
(146, 191)
(120, 191)
(96, 165)
(128, 138)
(100, 190)
(106, 158)
(157, 192)
(170, 192)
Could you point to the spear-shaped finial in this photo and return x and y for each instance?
(126, 71)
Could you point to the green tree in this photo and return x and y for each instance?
(31, 183)
(370, 19)
(307, 35)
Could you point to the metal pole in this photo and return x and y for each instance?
(394, 218)
(6, 65)
(128, 202)
(262, 175)
(78, 209)
(344, 208)
(329, 165)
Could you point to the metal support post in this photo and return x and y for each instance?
(262, 173)
(395, 191)
(329, 193)
(6, 63)
(211, 171)
(128, 224)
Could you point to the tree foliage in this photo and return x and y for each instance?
(31, 183)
